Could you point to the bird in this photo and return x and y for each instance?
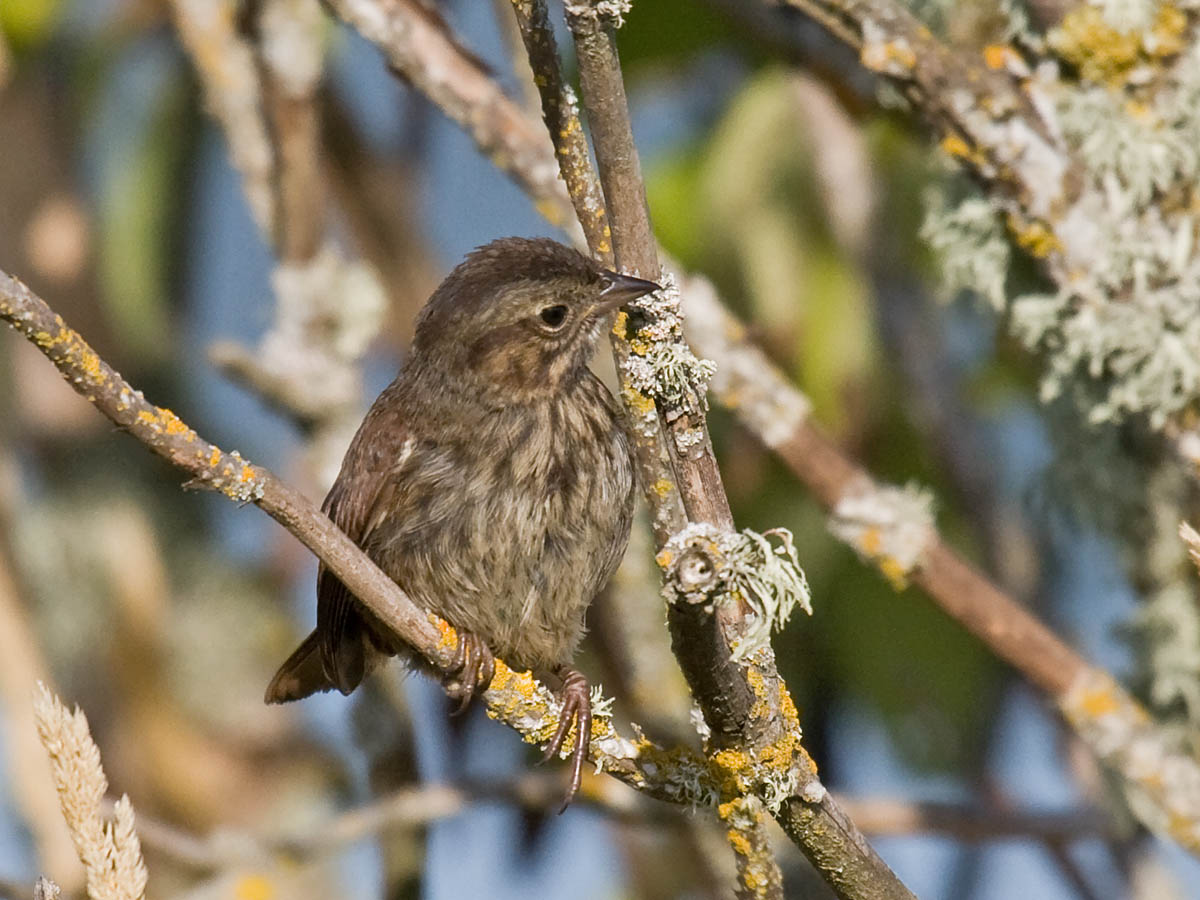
(492, 480)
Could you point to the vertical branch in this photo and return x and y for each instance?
(262, 88)
(635, 249)
(288, 52)
(754, 737)
(560, 111)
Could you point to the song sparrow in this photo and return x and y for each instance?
(491, 480)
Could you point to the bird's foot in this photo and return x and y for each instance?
(472, 672)
(576, 698)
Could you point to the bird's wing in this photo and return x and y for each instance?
(362, 487)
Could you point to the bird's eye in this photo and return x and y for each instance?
(554, 316)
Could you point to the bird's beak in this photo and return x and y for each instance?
(620, 289)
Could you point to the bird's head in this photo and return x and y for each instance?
(519, 318)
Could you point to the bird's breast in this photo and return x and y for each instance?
(511, 529)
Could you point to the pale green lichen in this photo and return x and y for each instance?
(662, 365)
(709, 566)
(970, 240)
(891, 527)
(1160, 783)
(1122, 316)
(1165, 630)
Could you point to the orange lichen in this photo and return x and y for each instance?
(1098, 703)
(1038, 239)
(871, 541)
(996, 56)
(254, 887)
(738, 841)
(447, 636)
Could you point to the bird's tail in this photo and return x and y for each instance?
(301, 675)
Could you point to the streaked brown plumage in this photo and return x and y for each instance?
(491, 480)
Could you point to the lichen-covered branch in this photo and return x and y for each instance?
(894, 530)
(560, 111)
(514, 698)
(1082, 140)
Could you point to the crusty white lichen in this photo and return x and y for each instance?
(662, 365)
(612, 11)
(973, 248)
(709, 566)
(891, 527)
(1123, 253)
(1161, 783)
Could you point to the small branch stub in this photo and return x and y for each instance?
(703, 565)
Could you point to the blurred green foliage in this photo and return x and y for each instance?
(29, 23)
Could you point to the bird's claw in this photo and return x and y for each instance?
(576, 710)
(472, 671)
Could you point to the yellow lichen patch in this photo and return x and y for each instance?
(762, 707)
(1167, 33)
(893, 570)
(956, 146)
(1182, 827)
(447, 636)
(664, 558)
(254, 887)
(871, 541)
(163, 421)
(214, 458)
(1098, 703)
(89, 364)
(549, 211)
(738, 841)
(1105, 54)
(638, 402)
(1038, 239)
(663, 487)
(996, 56)
(620, 323)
